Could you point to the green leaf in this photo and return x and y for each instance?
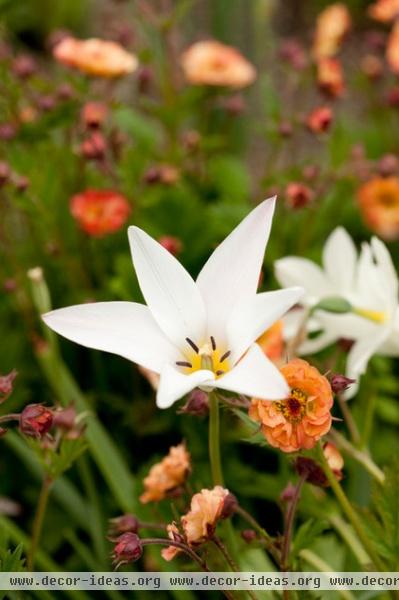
(307, 534)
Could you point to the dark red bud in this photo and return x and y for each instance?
(6, 383)
(197, 404)
(124, 524)
(340, 383)
(308, 468)
(65, 419)
(36, 420)
(248, 535)
(288, 493)
(230, 505)
(128, 548)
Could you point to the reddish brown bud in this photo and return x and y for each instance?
(292, 51)
(392, 97)
(372, 66)
(320, 119)
(128, 548)
(24, 66)
(191, 140)
(36, 420)
(165, 174)
(3, 431)
(144, 79)
(46, 103)
(234, 105)
(20, 182)
(197, 404)
(123, 524)
(94, 147)
(310, 172)
(285, 129)
(230, 505)
(65, 92)
(6, 384)
(8, 131)
(248, 535)
(298, 195)
(388, 165)
(340, 383)
(288, 493)
(171, 244)
(308, 468)
(94, 114)
(65, 418)
(9, 285)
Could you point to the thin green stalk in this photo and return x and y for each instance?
(214, 443)
(348, 510)
(360, 456)
(368, 419)
(315, 561)
(351, 540)
(38, 522)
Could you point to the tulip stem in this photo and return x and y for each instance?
(214, 443)
(38, 521)
(348, 510)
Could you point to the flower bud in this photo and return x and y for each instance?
(9, 285)
(320, 119)
(310, 172)
(308, 468)
(65, 418)
(197, 404)
(234, 105)
(230, 505)
(24, 66)
(248, 535)
(21, 183)
(285, 129)
(94, 147)
(292, 51)
(392, 97)
(171, 243)
(128, 548)
(36, 420)
(191, 139)
(298, 195)
(94, 114)
(46, 102)
(288, 493)
(3, 431)
(124, 524)
(65, 92)
(340, 383)
(8, 131)
(388, 165)
(372, 66)
(6, 384)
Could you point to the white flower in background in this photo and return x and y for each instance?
(367, 281)
(192, 333)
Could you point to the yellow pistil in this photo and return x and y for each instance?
(208, 357)
(294, 407)
(372, 315)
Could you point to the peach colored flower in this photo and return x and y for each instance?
(272, 342)
(212, 63)
(166, 475)
(334, 459)
(319, 119)
(304, 417)
(333, 23)
(384, 10)
(378, 199)
(205, 511)
(96, 57)
(99, 212)
(392, 51)
(330, 77)
(170, 552)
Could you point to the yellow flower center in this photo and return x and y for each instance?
(207, 356)
(294, 407)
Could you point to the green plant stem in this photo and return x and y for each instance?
(360, 456)
(348, 510)
(349, 420)
(315, 561)
(350, 538)
(38, 521)
(289, 524)
(368, 419)
(214, 443)
(262, 532)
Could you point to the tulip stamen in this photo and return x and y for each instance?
(193, 346)
(225, 355)
(213, 343)
(184, 363)
(220, 372)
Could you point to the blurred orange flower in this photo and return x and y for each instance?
(384, 10)
(166, 475)
(379, 203)
(205, 511)
(96, 57)
(330, 76)
(333, 23)
(99, 212)
(272, 342)
(392, 51)
(304, 417)
(212, 63)
(319, 119)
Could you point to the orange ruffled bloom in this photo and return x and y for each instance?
(100, 212)
(272, 341)
(304, 417)
(379, 203)
(166, 475)
(96, 57)
(199, 523)
(212, 63)
(392, 51)
(333, 23)
(384, 10)
(330, 77)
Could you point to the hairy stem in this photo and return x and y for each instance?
(38, 521)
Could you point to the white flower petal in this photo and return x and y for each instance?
(231, 274)
(170, 292)
(174, 384)
(124, 328)
(389, 277)
(255, 375)
(339, 259)
(313, 345)
(295, 271)
(250, 318)
(359, 356)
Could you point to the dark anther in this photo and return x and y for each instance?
(183, 363)
(193, 346)
(225, 355)
(219, 372)
(213, 343)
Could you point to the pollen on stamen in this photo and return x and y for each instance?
(219, 373)
(213, 343)
(183, 363)
(193, 346)
(225, 355)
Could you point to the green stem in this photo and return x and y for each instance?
(214, 444)
(315, 561)
(368, 419)
(38, 522)
(360, 456)
(348, 510)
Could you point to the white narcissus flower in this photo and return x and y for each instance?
(368, 281)
(192, 333)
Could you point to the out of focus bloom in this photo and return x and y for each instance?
(100, 212)
(293, 52)
(123, 524)
(128, 548)
(314, 473)
(94, 114)
(6, 385)
(200, 522)
(194, 334)
(213, 63)
(36, 420)
(298, 195)
(384, 10)
(368, 283)
(392, 51)
(95, 57)
(171, 243)
(334, 459)
(304, 416)
(319, 120)
(330, 77)
(379, 203)
(372, 66)
(333, 23)
(166, 476)
(272, 341)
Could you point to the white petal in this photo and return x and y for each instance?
(255, 375)
(359, 356)
(339, 259)
(293, 271)
(174, 384)
(168, 289)
(231, 274)
(250, 318)
(124, 328)
(313, 345)
(388, 275)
